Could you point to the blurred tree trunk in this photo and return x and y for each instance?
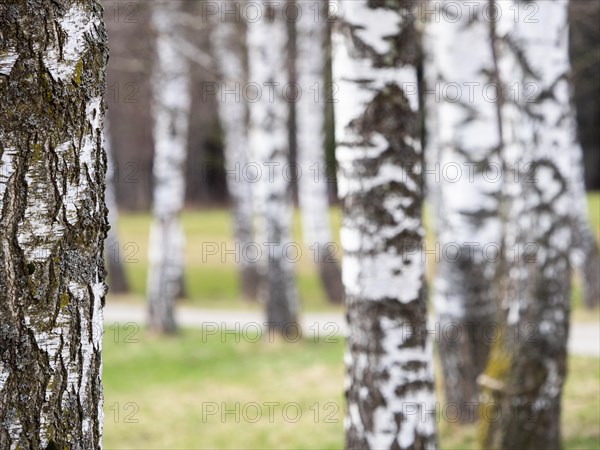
(268, 139)
(53, 221)
(229, 38)
(311, 29)
(116, 272)
(129, 98)
(584, 253)
(467, 207)
(389, 387)
(171, 119)
(527, 366)
(206, 182)
(584, 29)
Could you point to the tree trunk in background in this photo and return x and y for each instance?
(584, 32)
(467, 209)
(527, 365)
(269, 145)
(310, 128)
(53, 221)
(129, 99)
(117, 280)
(233, 114)
(171, 119)
(584, 254)
(389, 385)
(206, 181)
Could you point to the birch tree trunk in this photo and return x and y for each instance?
(584, 254)
(468, 222)
(171, 120)
(527, 366)
(269, 145)
(389, 385)
(116, 273)
(310, 131)
(53, 221)
(233, 114)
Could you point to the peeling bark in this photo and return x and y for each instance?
(53, 223)
(310, 130)
(171, 121)
(466, 207)
(233, 115)
(389, 384)
(267, 39)
(527, 366)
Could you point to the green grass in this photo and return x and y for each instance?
(159, 387)
(163, 389)
(211, 280)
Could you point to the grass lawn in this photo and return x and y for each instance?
(211, 279)
(183, 393)
(172, 392)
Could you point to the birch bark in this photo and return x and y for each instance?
(267, 39)
(171, 121)
(468, 190)
(389, 384)
(313, 193)
(229, 37)
(53, 221)
(527, 366)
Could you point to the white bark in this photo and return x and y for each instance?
(171, 121)
(233, 115)
(467, 200)
(525, 374)
(310, 129)
(388, 367)
(267, 40)
(53, 222)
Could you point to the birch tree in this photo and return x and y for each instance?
(527, 366)
(313, 195)
(389, 383)
(584, 254)
(171, 113)
(53, 220)
(117, 278)
(268, 139)
(229, 36)
(469, 176)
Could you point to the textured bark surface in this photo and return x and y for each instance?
(229, 38)
(527, 366)
(267, 39)
(310, 131)
(117, 280)
(467, 205)
(389, 384)
(53, 223)
(171, 120)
